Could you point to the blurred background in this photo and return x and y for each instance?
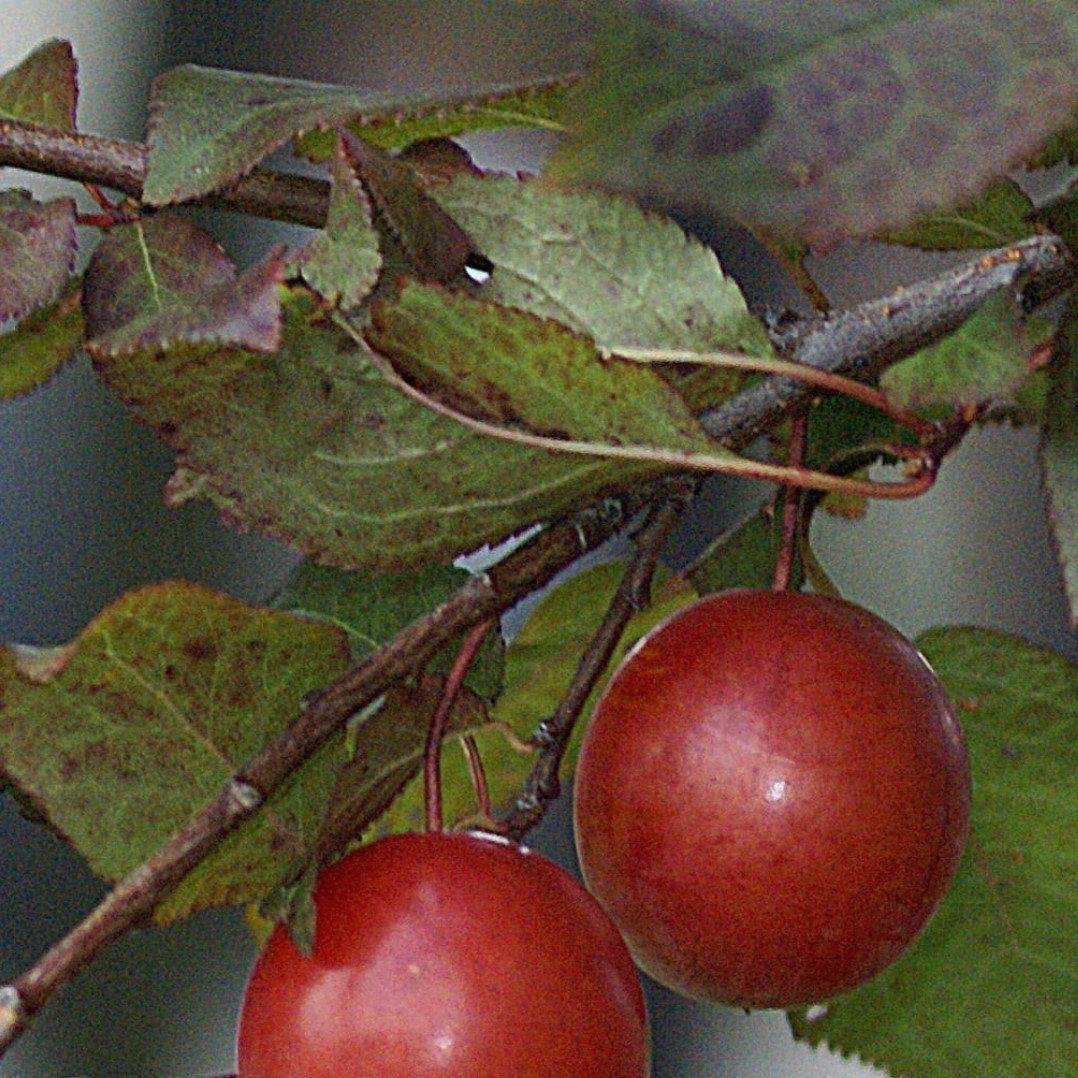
(82, 519)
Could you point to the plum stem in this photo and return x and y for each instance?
(432, 751)
(791, 504)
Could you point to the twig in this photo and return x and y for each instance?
(542, 785)
(791, 502)
(121, 165)
(864, 340)
(432, 751)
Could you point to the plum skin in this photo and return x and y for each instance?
(771, 798)
(446, 954)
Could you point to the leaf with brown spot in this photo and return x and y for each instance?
(43, 88)
(119, 736)
(855, 120)
(37, 251)
(163, 281)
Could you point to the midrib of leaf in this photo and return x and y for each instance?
(147, 261)
(159, 694)
(525, 119)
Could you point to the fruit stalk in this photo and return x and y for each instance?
(542, 786)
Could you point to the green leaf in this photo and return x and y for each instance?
(517, 367)
(436, 246)
(537, 104)
(601, 266)
(43, 88)
(208, 128)
(985, 361)
(121, 735)
(373, 608)
(988, 988)
(743, 556)
(310, 444)
(539, 665)
(388, 755)
(163, 281)
(997, 217)
(32, 352)
(37, 251)
(1059, 452)
(1061, 216)
(342, 262)
(845, 123)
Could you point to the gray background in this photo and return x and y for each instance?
(81, 520)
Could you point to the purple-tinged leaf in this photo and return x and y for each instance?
(848, 122)
(435, 244)
(43, 89)
(119, 736)
(342, 262)
(39, 345)
(37, 251)
(164, 281)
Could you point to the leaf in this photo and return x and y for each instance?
(995, 218)
(373, 608)
(388, 754)
(163, 280)
(989, 986)
(1061, 216)
(43, 88)
(850, 122)
(32, 352)
(743, 556)
(601, 266)
(1059, 453)
(342, 262)
(121, 735)
(435, 244)
(985, 361)
(517, 367)
(208, 128)
(312, 445)
(539, 664)
(537, 104)
(37, 251)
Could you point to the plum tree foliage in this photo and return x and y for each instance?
(454, 358)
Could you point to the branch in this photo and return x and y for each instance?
(121, 165)
(543, 785)
(864, 340)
